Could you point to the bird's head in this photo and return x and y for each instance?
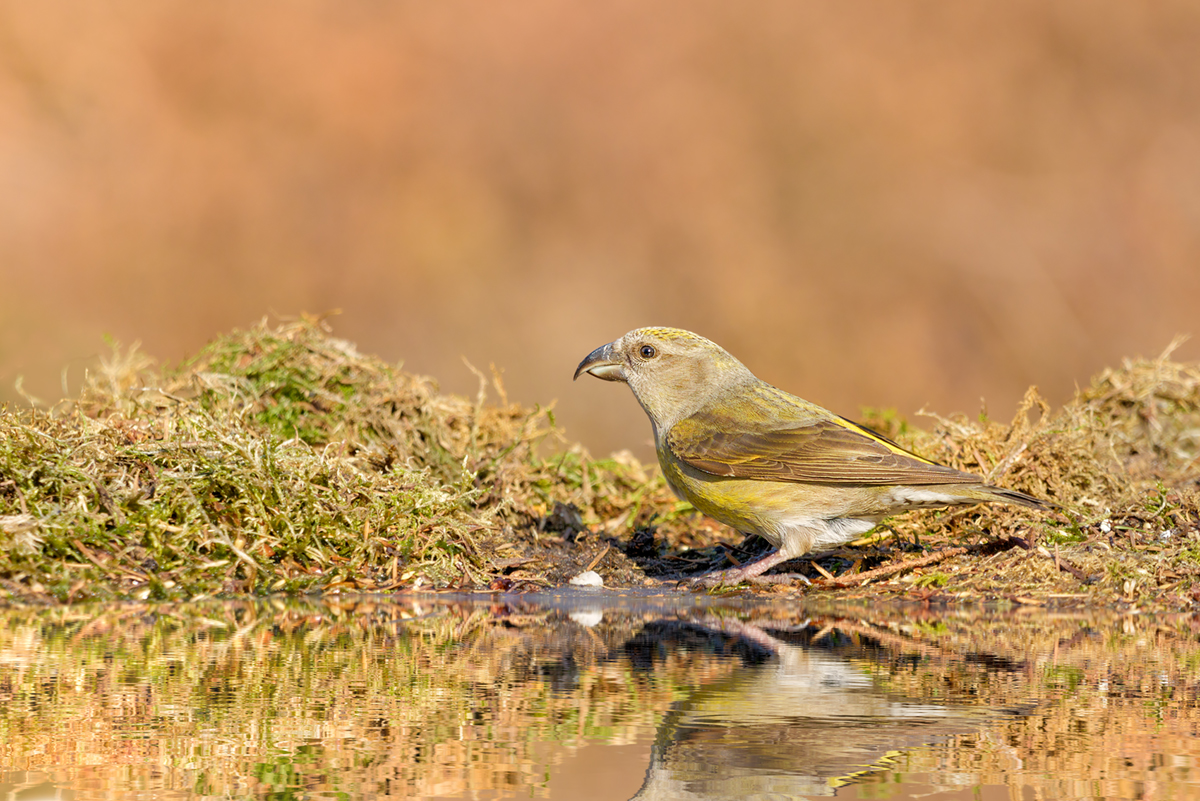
(672, 372)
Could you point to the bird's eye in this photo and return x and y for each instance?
(647, 352)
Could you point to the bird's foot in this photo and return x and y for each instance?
(782, 578)
(731, 578)
(752, 573)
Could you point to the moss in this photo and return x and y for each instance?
(279, 459)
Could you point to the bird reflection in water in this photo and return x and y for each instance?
(795, 720)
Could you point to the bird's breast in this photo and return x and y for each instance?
(747, 505)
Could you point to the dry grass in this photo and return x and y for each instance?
(1121, 458)
(280, 459)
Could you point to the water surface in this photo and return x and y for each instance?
(593, 696)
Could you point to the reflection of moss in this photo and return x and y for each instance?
(284, 777)
(270, 698)
(1065, 678)
(292, 690)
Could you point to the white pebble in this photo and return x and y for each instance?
(588, 579)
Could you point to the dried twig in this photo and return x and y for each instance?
(899, 567)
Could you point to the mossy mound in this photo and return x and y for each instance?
(280, 459)
(1123, 460)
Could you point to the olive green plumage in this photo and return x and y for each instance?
(764, 461)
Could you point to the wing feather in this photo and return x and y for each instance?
(812, 448)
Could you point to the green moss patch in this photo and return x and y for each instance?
(280, 459)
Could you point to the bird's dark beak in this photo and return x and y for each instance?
(601, 364)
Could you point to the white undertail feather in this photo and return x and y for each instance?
(915, 496)
(802, 535)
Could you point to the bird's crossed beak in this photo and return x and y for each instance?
(601, 364)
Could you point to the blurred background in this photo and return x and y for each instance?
(882, 204)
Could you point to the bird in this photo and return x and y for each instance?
(799, 715)
(766, 462)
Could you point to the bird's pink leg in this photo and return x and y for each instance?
(736, 575)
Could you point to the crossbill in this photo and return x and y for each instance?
(767, 462)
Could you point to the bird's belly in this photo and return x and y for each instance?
(795, 516)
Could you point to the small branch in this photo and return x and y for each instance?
(949, 553)
(596, 561)
(899, 567)
(1066, 567)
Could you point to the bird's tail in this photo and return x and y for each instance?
(1013, 496)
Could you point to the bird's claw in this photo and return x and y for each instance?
(728, 579)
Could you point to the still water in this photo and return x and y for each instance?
(594, 696)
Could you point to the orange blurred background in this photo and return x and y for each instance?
(886, 204)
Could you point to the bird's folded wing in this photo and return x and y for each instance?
(829, 451)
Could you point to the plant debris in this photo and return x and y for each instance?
(282, 460)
